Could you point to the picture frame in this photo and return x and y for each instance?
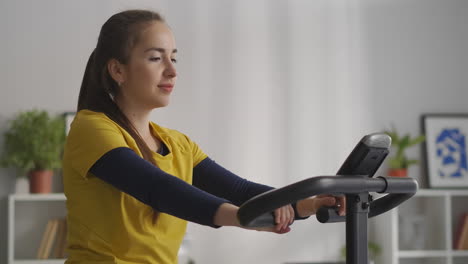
(68, 117)
(446, 149)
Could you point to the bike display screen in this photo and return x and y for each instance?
(367, 156)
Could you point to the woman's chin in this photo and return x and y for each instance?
(162, 103)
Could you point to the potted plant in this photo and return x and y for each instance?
(33, 144)
(399, 163)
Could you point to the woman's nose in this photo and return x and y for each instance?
(170, 70)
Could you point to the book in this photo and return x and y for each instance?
(47, 240)
(461, 235)
(40, 250)
(59, 250)
(50, 239)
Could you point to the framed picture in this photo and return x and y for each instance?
(446, 149)
(69, 116)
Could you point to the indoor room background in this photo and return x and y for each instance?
(276, 91)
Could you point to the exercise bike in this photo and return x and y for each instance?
(355, 180)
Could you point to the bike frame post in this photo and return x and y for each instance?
(357, 211)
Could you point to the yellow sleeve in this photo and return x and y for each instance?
(197, 154)
(90, 137)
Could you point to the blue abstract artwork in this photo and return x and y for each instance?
(451, 154)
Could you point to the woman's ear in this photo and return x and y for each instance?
(116, 71)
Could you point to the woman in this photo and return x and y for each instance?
(132, 185)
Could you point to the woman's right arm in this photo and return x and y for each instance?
(129, 173)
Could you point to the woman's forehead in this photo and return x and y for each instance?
(155, 36)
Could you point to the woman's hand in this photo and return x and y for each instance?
(227, 216)
(310, 206)
(284, 217)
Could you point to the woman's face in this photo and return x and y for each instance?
(150, 73)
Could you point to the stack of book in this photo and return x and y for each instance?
(461, 235)
(53, 240)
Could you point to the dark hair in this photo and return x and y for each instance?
(117, 37)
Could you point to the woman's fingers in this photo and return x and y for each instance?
(278, 214)
(284, 216)
(342, 205)
(326, 200)
(287, 217)
(329, 200)
(291, 213)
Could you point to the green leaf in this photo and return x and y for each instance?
(417, 140)
(400, 144)
(34, 140)
(412, 162)
(404, 141)
(395, 163)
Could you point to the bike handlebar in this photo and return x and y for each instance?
(257, 212)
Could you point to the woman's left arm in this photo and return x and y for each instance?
(215, 179)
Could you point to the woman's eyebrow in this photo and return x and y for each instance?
(160, 50)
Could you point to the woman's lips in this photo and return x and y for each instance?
(166, 87)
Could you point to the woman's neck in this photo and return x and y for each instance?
(139, 119)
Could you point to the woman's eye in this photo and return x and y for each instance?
(174, 60)
(155, 58)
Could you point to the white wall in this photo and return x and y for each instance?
(294, 82)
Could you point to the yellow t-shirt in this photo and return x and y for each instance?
(106, 225)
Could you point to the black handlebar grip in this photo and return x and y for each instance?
(327, 214)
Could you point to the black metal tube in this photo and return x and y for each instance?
(400, 185)
(259, 207)
(356, 228)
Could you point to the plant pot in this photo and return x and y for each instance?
(40, 181)
(398, 172)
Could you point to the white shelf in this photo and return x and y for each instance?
(441, 209)
(28, 215)
(442, 192)
(422, 253)
(38, 197)
(39, 261)
(460, 253)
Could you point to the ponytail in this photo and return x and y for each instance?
(98, 88)
(86, 83)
